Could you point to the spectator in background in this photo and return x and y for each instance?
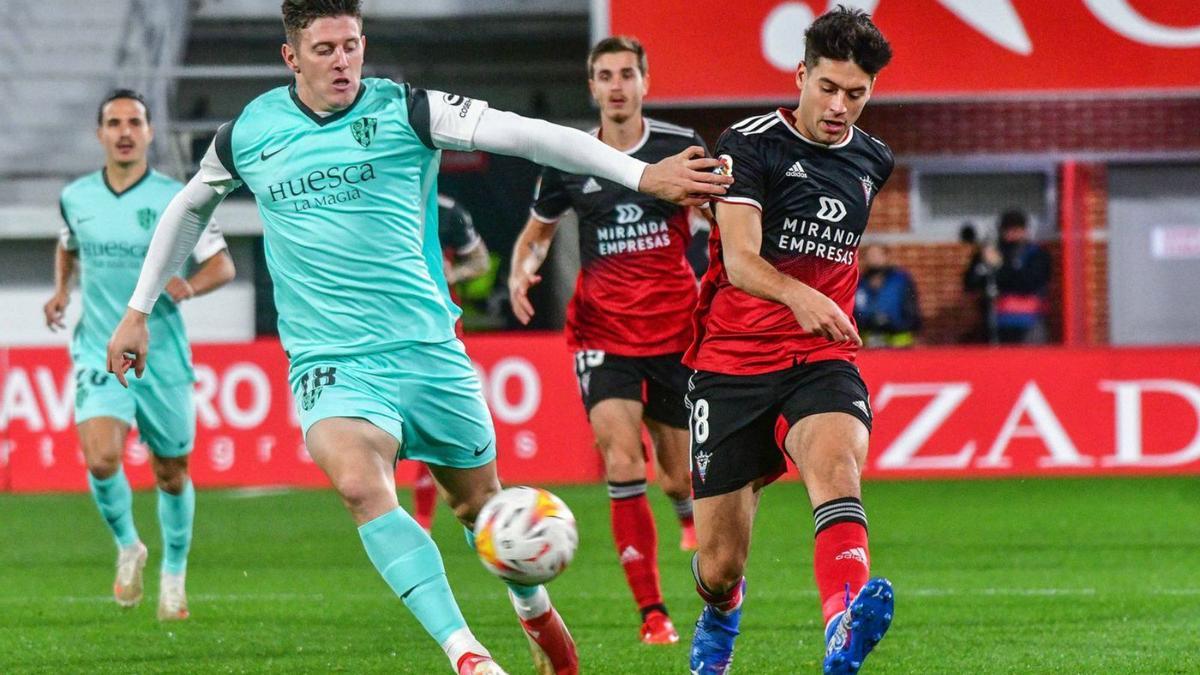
(1012, 278)
(885, 306)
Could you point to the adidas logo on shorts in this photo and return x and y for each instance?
(862, 405)
(592, 185)
(797, 171)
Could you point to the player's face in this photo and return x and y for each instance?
(124, 132)
(618, 86)
(328, 62)
(832, 96)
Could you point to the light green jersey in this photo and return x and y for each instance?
(349, 209)
(110, 233)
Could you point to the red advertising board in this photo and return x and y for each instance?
(717, 51)
(938, 413)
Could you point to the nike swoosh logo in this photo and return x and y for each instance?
(482, 450)
(84, 219)
(264, 156)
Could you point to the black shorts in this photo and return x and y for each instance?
(658, 382)
(738, 422)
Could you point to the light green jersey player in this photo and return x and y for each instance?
(349, 208)
(345, 174)
(110, 217)
(109, 231)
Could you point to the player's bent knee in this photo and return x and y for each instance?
(170, 475)
(624, 464)
(676, 487)
(171, 484)
(363, 496)
(722, 571)
(105, 467)
(839, 472)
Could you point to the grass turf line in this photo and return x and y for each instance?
(1037, 576)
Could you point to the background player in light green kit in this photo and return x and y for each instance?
(345, 174)
(110, 217)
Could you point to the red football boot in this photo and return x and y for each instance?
(475, 664)
(551, 645)
(657, 629)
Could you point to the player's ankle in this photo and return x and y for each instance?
(461, 644)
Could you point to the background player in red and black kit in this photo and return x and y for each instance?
(775, 344)
(630, 318)
(466, 258)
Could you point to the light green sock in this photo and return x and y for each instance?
(114, 498)
(410, 563)
(175, 514)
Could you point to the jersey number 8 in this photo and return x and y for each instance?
(700, 420)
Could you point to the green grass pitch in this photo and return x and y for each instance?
(1037, 576)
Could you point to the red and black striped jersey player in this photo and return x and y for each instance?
(775, 344)
(629, 320)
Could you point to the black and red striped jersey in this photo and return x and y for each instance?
(636, 291)
(815, 200)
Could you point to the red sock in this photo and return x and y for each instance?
(637, 541)
(424, 497)
(840, 559)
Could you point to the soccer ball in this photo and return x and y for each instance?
(526, 535)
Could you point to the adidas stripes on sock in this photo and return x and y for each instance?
(841, 557)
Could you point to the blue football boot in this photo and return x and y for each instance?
(712, 645)
(852, 634)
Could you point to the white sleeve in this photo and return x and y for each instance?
(563, 148)
(444, 121)
(214, 173)
(67, 239)
(211, 243)
(179, 228)
(66, 236)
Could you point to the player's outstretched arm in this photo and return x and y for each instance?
(178, 230)
(684, 178)
(528, 255)
(741, 241)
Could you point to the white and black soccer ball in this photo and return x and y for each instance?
(526, 535)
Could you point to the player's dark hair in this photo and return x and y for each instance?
(299, 14)
(846, 34)
(118, 94)
(615, 45)
(1012, 219)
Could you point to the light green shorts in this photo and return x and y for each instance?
(427, 396)
(165, 414)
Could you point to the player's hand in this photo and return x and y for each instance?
(685, 179)
(519, 283)
(128, 346)
(819, 315)
(55, 310)
(179, 289)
